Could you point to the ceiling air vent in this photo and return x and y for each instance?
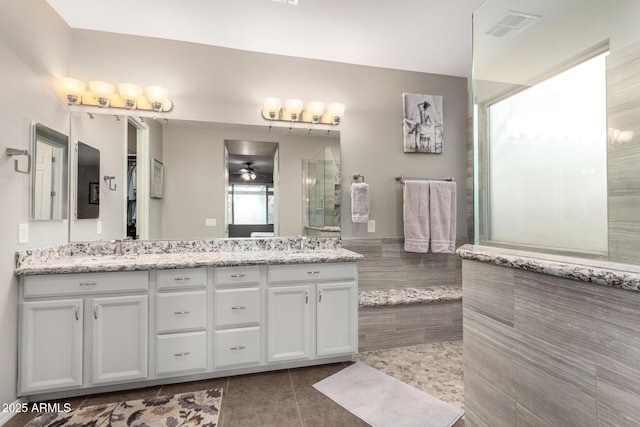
(512, 23)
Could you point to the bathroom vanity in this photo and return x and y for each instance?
(91, 321)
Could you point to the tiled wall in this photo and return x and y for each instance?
(623, 157)
(387, 266)
(547, 351)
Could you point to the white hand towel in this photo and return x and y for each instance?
(416, 216)
(360, 202)
(442, 216)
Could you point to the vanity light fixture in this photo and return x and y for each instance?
(73, 90)
(293, 111)
(104, 95)
(102, 91)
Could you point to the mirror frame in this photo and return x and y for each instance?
(62, 141)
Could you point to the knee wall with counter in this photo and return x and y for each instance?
(545, 350)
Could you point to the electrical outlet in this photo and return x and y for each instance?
(23, 233)
(210, 222)
(371, 226)
(98, 227)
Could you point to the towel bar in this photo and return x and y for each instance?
(401, 178)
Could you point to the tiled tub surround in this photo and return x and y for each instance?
(83, 257)
(549, 342)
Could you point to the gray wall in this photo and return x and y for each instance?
(546, 351)
(34, 51)
(224, 85)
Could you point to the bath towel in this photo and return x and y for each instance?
(442, 216)
(416, 216)
(360, 202)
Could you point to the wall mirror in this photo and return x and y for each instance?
(197, 172)
(88, 182)
(49, 176)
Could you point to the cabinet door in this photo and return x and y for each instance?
(337, 319)
(288, 322)
(119, 341)
(51, 345)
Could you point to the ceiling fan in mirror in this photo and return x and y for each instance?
(248, 173)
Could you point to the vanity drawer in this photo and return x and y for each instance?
(237, 346)
(85, 283)
(237, 306)
(182, 278)
(237, 275)
(182, 352)
(179, 311)
(311, 272)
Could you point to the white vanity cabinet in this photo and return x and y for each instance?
(312, 311)
(51, 345)
(238, 317)
(82, 330)
(181, 322)
(84, 333)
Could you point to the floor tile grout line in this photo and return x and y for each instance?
(295, 398)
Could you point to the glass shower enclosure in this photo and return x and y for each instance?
(321, 194)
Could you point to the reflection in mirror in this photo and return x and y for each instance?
(196, 178)
(88, 182)
(321, 177)
(49, 174)
(252, 188)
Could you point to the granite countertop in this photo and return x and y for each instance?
(597, 272)
(99, 256)
(406, 296)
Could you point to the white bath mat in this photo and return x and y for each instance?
(384, 401)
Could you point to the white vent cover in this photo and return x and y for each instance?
(293, 2)
(512, 23)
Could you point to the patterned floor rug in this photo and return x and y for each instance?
(197, 408)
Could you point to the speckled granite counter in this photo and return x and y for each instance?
(596, 272)
(150, 255)
(405, 296)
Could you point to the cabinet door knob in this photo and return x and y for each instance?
(237, 276)
(238, 307)
(306, 297)
(319, 296)
(76, 312)
(186, 353)
(95, 311)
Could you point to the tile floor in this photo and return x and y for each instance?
(286, 398)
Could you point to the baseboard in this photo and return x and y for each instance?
(6, 413)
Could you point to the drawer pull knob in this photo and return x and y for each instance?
(88, 283)
(186, 353)
(181, 312)
(237, 276)
(313, 272)
(238, 347)
(238, 307)
(182, 279)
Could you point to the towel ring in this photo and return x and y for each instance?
(357, 176)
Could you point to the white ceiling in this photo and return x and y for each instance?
(432, 36)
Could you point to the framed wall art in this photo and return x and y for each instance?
(157, 179)
(422, 123)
